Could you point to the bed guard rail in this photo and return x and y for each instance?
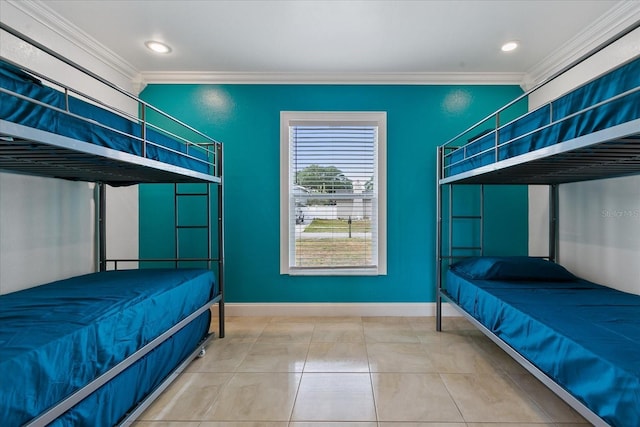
(508, 114)
(193, 144)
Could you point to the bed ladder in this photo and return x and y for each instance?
(449, 250)
(472, 220)
(192, 233)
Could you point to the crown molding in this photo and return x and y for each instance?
(332, 78)
(40, 12)
(621, 17)
(616, 21)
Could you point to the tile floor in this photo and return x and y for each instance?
(353, 371)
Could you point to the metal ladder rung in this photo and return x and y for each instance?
(177, 227)
(191, 194)
(477, 218)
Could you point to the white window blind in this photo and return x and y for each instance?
(333, 189)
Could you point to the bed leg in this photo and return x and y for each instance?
(203, 352)
(221, 319)
(438, 312)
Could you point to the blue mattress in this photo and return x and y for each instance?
(56, 338)
(117, 132)
(584, 336)
(555, 122)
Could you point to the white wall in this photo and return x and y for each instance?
(599, 220)
(47, 226)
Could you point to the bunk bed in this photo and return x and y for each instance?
(579, 338)
(97, 349)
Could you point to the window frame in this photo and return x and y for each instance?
(287, 234)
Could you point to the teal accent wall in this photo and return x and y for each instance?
(246, 119)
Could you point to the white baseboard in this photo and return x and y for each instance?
(338, 309)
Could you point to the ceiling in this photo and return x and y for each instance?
(344, 37)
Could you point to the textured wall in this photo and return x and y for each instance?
(246, 119)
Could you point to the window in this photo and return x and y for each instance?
(333, 193)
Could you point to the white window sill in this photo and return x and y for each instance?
(348, 271)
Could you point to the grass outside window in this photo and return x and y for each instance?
(337, 249)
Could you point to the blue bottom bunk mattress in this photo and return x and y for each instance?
(56, 338)
(84, 123)
(110, 403)
(584, 336)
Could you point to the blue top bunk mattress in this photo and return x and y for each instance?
(88, 122)
(584, 336)
(58, 337)
(610, 100)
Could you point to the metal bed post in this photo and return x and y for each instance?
(439, 239)
(553, 223)
(450, 224)
(143, 114)
(176, 229)
(219, 160)
(209, 249)
(481, 219)
(102, 226)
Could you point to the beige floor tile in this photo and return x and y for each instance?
(222, 355)
(499, 357)
(555, 407)
(246, 329)
(266, 356)
(413, 398)
(334, 397)
(511, 425)
(431, 336)
(492, 398)
(572, 425)
(233, 320)
(383, 332)
(256, 397)
(422, 323)
(316, 369)
(333, 424)
(426, 326)
(386, 320)
(459, 355)
(458, 323)
(166, 424)
(243, 424)
(399, 357)
(287, 332)
(337, 357)
(338, 332)
(295, 319)
(428, 337)
(392, 424)
(338, 319)
(188, 398)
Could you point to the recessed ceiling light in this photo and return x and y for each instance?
(508, 47)
(157, 47)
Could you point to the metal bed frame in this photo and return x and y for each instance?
(63, 157)
(612, 152)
